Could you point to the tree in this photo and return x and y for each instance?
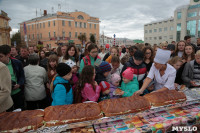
(16, 37)
(92, 38)
(82, 38)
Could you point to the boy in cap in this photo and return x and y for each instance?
(62, 90)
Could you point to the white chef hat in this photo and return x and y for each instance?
(162, 56)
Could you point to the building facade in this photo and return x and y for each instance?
(103, 40)
(4, 29)
(186, 21)
(59, 28)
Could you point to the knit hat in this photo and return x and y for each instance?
(105, 67)
(128, 74)
(171, 47)
(114, 78)
(104, 86)
(63, 69)
(138, 55)
(162, 56)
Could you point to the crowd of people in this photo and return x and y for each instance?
(32, 79)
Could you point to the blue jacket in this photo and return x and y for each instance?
(60, 95)
(18, 71)
(130, 87)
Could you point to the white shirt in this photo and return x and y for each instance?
(101, 55)
(167, 80)
(180, 54)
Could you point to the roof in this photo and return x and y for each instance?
(168, 19)
(138, 41)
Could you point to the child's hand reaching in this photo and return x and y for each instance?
(122, 93)
(106, 92)
(95, 83)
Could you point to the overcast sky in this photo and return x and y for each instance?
(125, 18)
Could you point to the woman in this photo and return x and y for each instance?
(114, 51)
(35, 77)
(161, 72)
(180, 48)
(92, 58)
(43, 59)
(71, 56)
(148, 57)
(102, 54)
(188, 54)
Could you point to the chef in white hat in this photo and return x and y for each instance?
(161, 72)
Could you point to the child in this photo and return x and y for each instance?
(102, 71)
(105, 89)
(62, 91)
(129, 84)
(90, 91)
(115, 80)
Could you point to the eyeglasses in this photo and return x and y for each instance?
(94, 52)
(147, 53)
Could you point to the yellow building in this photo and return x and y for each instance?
(4, 29)
(59, 28)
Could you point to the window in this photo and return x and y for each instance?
(28, 27)
(70, 34)
(85, 34)
(171, 37)
(191, 28)
(178, 34)
(155, 38)
(155, 30)
(150, 38)
(192, 14)
(80, 24)
(178, 15)
(160, 29)
(37, 26)
(40, 25)
(69, 23)
(80, 17)
(43, 25)
(95, 26)
(80, 33)
(54, 34)
(150, 31)
(146, 38)
(94, 35)
(171, 28)
(160, 22)
(90, 26)
(54, 23)
(199, 29)
(49, 34)
(63, 34)
(160, 37)
(32, 26)
(76, 34)
(29, 36)
(85, 25)
(146, 31)
(76, 24)
(33, 36)
(49, 24)
(165, 29)
(63, 22)
(40, 35)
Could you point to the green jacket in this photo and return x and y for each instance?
(130, 88)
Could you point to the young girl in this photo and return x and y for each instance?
(89, 88)
(52, 64)
(129, 84)
(115, 80)
(71, 55)
(180, 48)
(148, 57)
(188, 54)
(114, 51)
(92, 58)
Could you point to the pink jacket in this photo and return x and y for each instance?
(89, 94)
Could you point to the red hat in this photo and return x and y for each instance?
(128, 74)
(104, 86)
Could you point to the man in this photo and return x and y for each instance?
(31, 50)
(17, 76)
(198, 43)
(123, 49)
(188, 41)
(6, 101)
(137, 65)
(24, 56)
(63, 49)
(14, 52)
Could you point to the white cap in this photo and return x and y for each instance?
(162, 56)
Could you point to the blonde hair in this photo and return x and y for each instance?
(163, 44)
(174, 60)
(198, 53)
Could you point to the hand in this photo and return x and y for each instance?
(95, 83)
(16, 86)
(106, 92)
(193, 83)
(122, 93)
(48, 85)
(139, 92)
(176, 86)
